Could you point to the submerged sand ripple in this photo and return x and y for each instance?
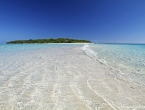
(65, 79)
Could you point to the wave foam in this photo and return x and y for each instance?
(89, 52)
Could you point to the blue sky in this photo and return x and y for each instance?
(115, 21)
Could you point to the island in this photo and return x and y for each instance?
(50, 40)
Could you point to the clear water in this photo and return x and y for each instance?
(128, 59)
(14, 58)
(29, 75)
(15, 48)
(40, 76)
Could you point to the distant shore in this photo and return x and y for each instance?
(57, 43)
(50, 40)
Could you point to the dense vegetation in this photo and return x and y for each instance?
(51, 40)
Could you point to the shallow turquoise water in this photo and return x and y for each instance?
(13, 57)
(38, 76)
(122, 56)
(128, 60)
(22, 47)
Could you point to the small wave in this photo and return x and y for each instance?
(123, 71)
(89, 52)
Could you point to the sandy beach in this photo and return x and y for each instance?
(65, 79)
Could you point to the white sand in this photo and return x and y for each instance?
(65, 79)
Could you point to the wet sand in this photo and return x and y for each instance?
(65, 79)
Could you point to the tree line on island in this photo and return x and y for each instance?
(51, 40)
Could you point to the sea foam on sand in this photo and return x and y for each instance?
(65, 79)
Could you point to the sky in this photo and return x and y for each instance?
(100, 21)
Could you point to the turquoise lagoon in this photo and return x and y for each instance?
(128, 60)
